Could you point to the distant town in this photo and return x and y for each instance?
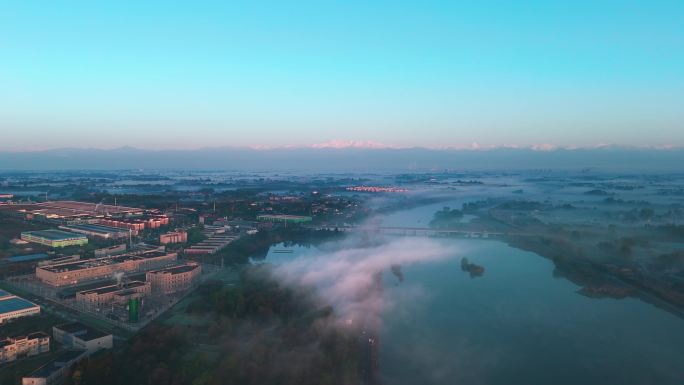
(78, 276)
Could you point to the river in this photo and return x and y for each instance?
(516, 324)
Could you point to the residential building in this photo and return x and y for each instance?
(13, 348)
(91, 269)
(174, 279)
(95, 298)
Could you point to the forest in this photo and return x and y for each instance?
(259, 333)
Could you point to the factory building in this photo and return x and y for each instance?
(13, 348)
(174, 279)
(27, 258)
(173, 237)
(100, 231)
(12, 307)
(156, 221)
(54, 371)
(137, 224)
(60, 260)
(63, 210)
(113, 294)
(91, 269)
(54, 238)
(111, 250)
(75, 335)
(283, 218)
(132, 224)
(211, 245)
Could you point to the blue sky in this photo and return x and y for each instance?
(164, 74)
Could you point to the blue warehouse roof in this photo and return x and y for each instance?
(14, 304)
(30, 257)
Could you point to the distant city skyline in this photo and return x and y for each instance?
(433, 74)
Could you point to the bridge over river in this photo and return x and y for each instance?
(416, 231)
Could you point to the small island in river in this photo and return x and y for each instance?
(473, 269)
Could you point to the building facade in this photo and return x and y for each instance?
(117, 294)
(13, 348)
(173, 237)
(132, 224)
(98, 268)
(75, 335)
(12, 307)
(174, 279)
(54, 238)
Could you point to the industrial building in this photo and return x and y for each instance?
(27, 258)
(211, 245)
(138, 224)
(75, 335)
(283, 218)
(13, 348)
(60, 260)
(179, 236)
(54, 238)
(111, 250)
(73, 210)
(99, 231)
(91, 269)
(174, 279)
(113, 294)
(54, 371)
(156, 221)
(12, 307)
(132, 224)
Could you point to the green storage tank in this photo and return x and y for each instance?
(133, 310)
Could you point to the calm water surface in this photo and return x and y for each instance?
(517, 324)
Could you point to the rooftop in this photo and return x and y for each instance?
(75, 209)
(72, 327)
(114, 288)
(56, 364)
(29, 257)
(92, 334)
(31, 336)
(176, 269)
(54, 235)
(10, 304)
(102, 229)
(84, 332)
(104, 261)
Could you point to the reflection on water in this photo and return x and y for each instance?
(515, 324)
(518, 324)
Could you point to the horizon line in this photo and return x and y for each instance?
(363, 145)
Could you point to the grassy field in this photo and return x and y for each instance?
(178, 316)
(42, 322)
(11, 228)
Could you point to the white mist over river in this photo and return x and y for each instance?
(516, 324)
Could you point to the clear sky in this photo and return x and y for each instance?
(164, 74)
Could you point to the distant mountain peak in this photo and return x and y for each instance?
(353, 144)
